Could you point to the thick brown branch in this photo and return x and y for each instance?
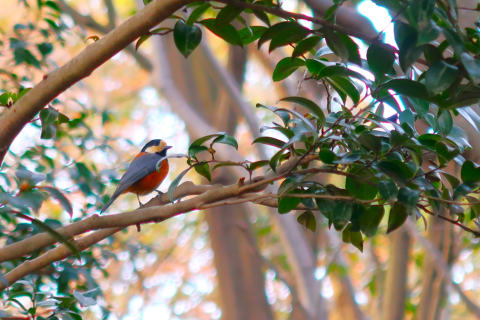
(93, 56)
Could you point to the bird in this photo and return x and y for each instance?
(142, 177)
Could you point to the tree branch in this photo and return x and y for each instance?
(13, 119)
(89, 22)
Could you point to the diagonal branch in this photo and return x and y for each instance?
(14, 119)
(89, 22)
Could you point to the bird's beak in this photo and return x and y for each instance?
(167, 147)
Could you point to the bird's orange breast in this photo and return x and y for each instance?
(151, 182)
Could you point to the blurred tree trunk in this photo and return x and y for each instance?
(433, 296)
(239, 268)
(395, 294)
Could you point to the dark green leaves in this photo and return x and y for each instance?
(203, 169)
(393, 171)
(398, 216)
(270, 141)
(227, 32)
(470, 172)
(287, 204)
(370, 220)
(293, 34)
(176, 181)
(472, 66)
(187, 37)
(371, 142)
(422, 12)
(227, 15)
(286, 67)
(305, 46)
(310, 105)
(307, 219)
(336, 44)
(440, 77)
(388, 190)
(380, 59)
(408, 198)
(409, 88)
(47, 117)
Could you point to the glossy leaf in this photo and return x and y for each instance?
(294, 34)
(287, 204)
(197, 13)
(380, 58)
(307, 219)
(175, 182)
(371, 219)
(226, 139)
(327, 156)
(472, 66)
(270, 141)
(286, 67)
(227, 33)
(305, 46)
(398, 216)
(203, 169)
(187, 37)
(440, 77)
(470, 172)
(227, 15)
(310, 105)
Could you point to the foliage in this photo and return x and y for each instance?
(390, 164)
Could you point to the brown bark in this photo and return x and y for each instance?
(396, 278)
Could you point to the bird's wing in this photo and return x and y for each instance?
(139, 168)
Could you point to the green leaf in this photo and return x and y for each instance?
(308, 104)
(342, 213)
(393, 171)
(286, 67)
(290, 183)
(294, 34)
(472, 66)
(409, 88)
(63, 118)
(227, 33)
(371, 142)
(176, 181)
(398, 216)
(227, 15)
(445, 122)
(327, 156)
(371, 219)
(464, 189)
(314, 66)
(470, 172)
(307, 219)
(186, 37)
(422, 12)
(262, 16)
(141, 40)
(336, 44)
(287, 204)
(22, 55)
(360, 190)
(270, 141)
(193, 150)
(357, 240)
(227, 164)
(440, 76)
(342, 72)
(203, 169)
(275, 30)
(47, 117)
(251, 34)
(226, 139)
(380, 59)
(57, 195)
(258, 164)
(408, 198)
(197, 13)
(305, 46)
(45, 48)
(352, 48)
(342, 85)
(454, 40)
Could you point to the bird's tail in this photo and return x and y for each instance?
(112, 199)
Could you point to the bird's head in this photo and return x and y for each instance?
(157, 146)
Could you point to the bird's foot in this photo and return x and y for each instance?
(138, 227)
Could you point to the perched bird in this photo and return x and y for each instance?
(142, 176)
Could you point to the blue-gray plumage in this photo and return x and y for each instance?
(142, 176)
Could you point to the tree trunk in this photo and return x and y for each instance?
(395, 295)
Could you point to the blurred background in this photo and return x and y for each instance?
(239, 262)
